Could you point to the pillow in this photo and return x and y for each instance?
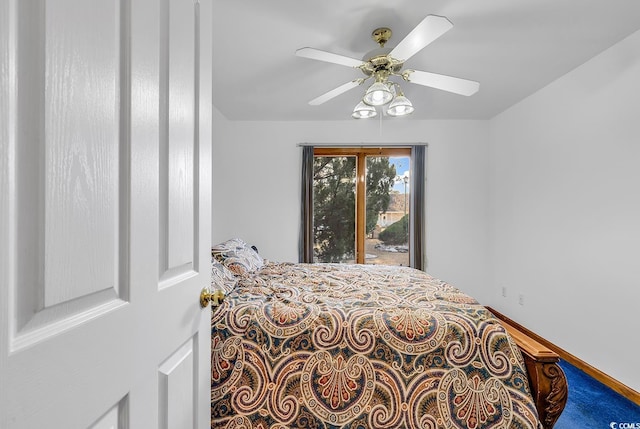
(222, 277)
(237, 256)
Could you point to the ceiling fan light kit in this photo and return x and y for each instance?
(383, 63)
(378, 94)
(364, 111)
(400, 106)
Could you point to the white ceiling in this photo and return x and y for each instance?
(512, 47)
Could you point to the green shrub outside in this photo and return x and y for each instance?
(396, 233)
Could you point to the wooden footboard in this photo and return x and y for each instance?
(547, 380)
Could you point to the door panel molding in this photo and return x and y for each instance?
(116, 418)
(71, 166)
(176, 387)
(178, 142)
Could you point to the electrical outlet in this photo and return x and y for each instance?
(521, 299)
(504, 291)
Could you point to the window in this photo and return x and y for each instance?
(357, 206)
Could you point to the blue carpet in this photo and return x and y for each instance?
(592, 405)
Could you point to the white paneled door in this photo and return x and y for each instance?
(105, 159)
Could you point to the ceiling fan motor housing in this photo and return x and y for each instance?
(379, 60)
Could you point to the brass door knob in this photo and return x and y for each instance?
(214, 298)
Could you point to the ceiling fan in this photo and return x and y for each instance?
(382, 63)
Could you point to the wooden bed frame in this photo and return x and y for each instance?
(546, 378)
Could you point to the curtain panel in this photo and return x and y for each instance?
(305, 242)
(417, 217)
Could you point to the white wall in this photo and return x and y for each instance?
(565, 212)
(256, 187)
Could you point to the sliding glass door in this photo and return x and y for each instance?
(361, 204)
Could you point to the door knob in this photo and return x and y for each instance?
(214, 298)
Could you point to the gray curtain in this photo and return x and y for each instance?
(417, 218)
(305, 243)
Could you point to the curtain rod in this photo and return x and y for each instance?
(361, 145)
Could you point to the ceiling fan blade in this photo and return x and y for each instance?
(317, 54)
(443, 82)
(427, 31)
(335, 92)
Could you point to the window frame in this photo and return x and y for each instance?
(360, 153)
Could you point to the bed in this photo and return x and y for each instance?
(357, 346)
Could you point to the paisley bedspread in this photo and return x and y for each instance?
(353, 346)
